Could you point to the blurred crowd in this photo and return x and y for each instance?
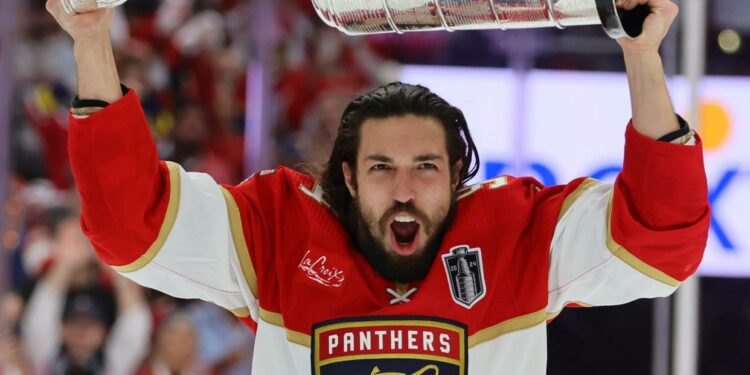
(69, 314)
(65, 312)
(182, 58)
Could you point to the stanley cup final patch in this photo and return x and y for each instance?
(391, 345)
(463, 266)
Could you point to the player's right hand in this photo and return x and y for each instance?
(81, 26)
(655, 26)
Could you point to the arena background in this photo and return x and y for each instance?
(233, 86)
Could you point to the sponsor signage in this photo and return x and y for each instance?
(557, 126)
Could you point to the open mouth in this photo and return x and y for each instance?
(404, 234)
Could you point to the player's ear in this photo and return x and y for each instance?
(348, 178)
(456, 173)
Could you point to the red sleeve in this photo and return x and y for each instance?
(660, 209)
(123, 185)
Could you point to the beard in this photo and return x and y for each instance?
(389, 265)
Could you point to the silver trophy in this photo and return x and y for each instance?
(465, 280)
(358, 17)
(82, 6)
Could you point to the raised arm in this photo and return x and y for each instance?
(653, 113)
(42, 320)
(97, 72)
(152, 221)
(645, 234)
(128, 342)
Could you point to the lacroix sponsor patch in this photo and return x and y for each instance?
(389, 345)
(325, 270)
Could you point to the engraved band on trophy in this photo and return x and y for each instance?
(82, 6)
(358, 17)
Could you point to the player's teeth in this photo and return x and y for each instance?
(404, 219)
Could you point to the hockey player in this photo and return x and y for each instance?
(386, 263)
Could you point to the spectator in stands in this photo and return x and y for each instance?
(70, 325)
(12, 357)
(223, 340)
(175, 350)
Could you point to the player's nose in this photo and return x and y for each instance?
(403, 186)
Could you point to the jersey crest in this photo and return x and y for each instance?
(393, 345)
(463, 267)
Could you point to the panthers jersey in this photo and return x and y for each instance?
(273, 252)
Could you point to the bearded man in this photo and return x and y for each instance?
(387, 262)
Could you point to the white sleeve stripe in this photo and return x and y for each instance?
(594, 269)
(166, 226)
(197, 259)
(616, 249)
(570, 199)
(587, 266)
(626, 256)
(240, 245)
(195, 280)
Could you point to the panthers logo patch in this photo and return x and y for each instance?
(389, 346)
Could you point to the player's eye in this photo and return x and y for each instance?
(380, 167)
(427, 166)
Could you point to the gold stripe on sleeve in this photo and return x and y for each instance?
(572, 197)
(240, 245)
(242, 312)
(277, 320)
(83, 112)
(553, 315)
(166, 226)
(272, 317)
(630, 259)
(508, 326)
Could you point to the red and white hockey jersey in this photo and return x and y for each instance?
(271, 251)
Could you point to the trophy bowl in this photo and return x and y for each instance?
(361, 17)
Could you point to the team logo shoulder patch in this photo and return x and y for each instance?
(463, 267)
(392, 345)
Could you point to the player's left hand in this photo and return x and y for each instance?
(655, 27)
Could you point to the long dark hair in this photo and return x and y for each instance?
(395, 99)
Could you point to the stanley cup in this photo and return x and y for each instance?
(358, 17)
(82, 6)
